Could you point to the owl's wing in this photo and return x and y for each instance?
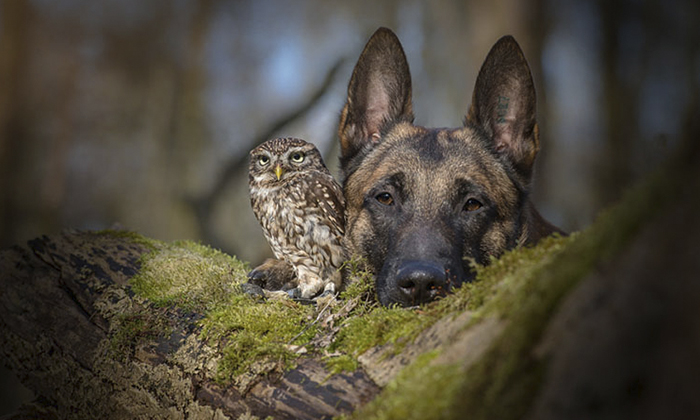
(328, 196)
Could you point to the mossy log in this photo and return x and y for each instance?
(66, 300)
(603, 324)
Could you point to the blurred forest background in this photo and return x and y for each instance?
(142, 113)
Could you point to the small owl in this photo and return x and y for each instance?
(302, 212)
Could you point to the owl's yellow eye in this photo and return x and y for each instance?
(297, 157)
(263, 160)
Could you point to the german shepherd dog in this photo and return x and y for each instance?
(424, 202)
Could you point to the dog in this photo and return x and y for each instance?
(422, 203)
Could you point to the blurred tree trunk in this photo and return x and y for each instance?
(188, 133)
(620, 101)
(17, 19)
(538, 21)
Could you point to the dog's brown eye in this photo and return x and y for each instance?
(472, 205)
(385, 198)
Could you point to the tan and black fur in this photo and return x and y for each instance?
(423, 202)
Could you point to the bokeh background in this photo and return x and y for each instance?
(141, 113)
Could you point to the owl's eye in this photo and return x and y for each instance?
(297, 157)
(472, 205)
(263, 160)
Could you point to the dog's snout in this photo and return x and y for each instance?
(421, 281)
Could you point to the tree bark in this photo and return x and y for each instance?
(64, 296)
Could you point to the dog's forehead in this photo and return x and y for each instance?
(423, 153)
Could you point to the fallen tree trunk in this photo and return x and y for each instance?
(67, 307)
(600, 325)
(62, 297)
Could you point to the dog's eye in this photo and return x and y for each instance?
(472, 205)
(385, 198)
(263, 160)
(297, 157)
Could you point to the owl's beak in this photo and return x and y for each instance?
(278, 172)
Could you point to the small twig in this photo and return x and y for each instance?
(309, 325)
(203, 205)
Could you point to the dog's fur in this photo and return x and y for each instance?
(424, 202)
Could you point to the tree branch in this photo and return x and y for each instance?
(237, 166)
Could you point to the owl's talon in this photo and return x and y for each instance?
(257, 277)
(253, 290)
(296, 295)
(273, 274)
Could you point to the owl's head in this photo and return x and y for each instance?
(280, 159)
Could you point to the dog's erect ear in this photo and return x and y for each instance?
(504, 105)
(379, 92)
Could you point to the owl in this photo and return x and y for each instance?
(302, 212)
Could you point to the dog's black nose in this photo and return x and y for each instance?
(421, 281)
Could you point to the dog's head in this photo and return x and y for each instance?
(422, 202)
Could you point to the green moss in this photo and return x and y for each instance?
(499, 286)
(361, 288)
(189, 275)
(364, 323)
(200, 279)
(134, 237)
(253, 331)
(422, 390)
(528, 293)
(382, 325)
(341, 363)
(369, 324)
(374, 325)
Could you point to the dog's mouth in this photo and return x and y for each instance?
(414, 282)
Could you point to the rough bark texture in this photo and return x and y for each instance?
(61, 300)
(626, 343)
